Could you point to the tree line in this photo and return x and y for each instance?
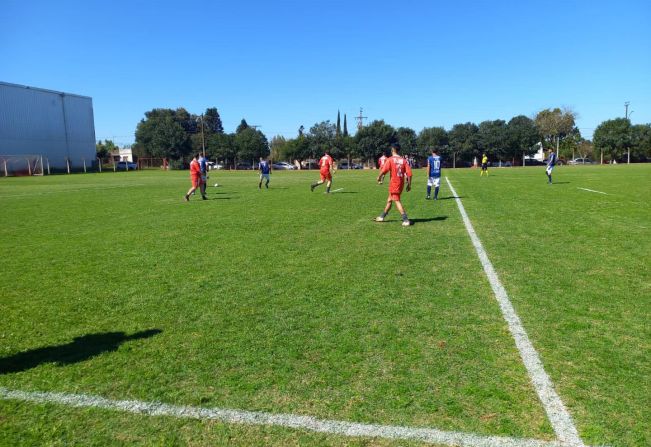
(176, 134)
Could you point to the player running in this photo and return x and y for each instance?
(326, 164)
(434, 174)
(484, 165)
(265, 171)
(380, 163)
(551, 162)
(399, 169)
(203, 167)
(195, 176)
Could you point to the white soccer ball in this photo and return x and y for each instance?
(216, 185)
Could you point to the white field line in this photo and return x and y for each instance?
(592, 190)
(342, 428)
(337, 190)
(558, 415)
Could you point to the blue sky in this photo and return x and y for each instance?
(286, 63)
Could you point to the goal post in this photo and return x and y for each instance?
(21, 165)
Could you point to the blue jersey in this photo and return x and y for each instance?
(264, 167)
(552, 159)
(203, 164)
(434, 165)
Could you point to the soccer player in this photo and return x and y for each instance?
(484, 165)
(381, 162)
(203, 167)
(265, 170)
(434, 174)
(195, 175)
(551, 162)
(326, 165)
(399, 169)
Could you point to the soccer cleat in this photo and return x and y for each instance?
(379, 219)
(427, 198)
(204, 198)
(406, 223)
(312, 187)
(186, 198)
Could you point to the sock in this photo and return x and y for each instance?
(436, 192)
(328, 189)
(266, 185)
(429, 190)
(404, 217)
(383, 215)
(259, 185)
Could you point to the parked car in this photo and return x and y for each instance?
(244, 166)
(126, 165)
(580, 161)
(500, 164)
(310, 164)
(344, 165)
(214, 166)
(533, 162)
(283, 165)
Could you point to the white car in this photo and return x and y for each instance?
(214, 166)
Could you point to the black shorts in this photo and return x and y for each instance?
(484, 166)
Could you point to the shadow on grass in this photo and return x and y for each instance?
(451, 197)
(344, 192)
(428, 219)
(79, 349)
(560, 183)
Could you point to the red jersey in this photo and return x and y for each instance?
(326, 163)
(382, 160)
(195, 169)
(399, 169)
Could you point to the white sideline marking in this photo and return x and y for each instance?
(556, 412)
(342, 428)
(337, 190)
(592, 190)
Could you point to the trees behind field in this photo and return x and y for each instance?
(616, 139)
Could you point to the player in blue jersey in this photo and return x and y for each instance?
(434, 174)
(265, 171)
(203, 167)
(551, 162)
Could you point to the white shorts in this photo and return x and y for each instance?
(549, 170)
(265, 176)
(434, 181)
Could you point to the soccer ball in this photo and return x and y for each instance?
(216, 185)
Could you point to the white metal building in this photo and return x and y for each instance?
(57, 126)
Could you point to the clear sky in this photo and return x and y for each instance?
(280, 64)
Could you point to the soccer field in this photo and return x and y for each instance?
(287, 302)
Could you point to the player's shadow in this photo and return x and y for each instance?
(79, 349)
(561, 183)
(428, 219)
(451, 197)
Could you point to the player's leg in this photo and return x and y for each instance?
(328, 185)
(429, 188)
(320, 182)
(386, 210)
(266, 185)
(403, 213)
(260, 182)
(437, 184)
(190, 191)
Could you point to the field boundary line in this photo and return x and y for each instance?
(293, 421)
(558, 415)
(592, 190)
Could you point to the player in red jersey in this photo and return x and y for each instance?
(380, 163)
(326, 165)
(399, 169)
(195, 175)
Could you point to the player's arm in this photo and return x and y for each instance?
(408, 178)
(383, 171)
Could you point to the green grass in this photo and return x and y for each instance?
(291, 301)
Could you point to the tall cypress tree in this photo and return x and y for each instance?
(345, 126)
(338, 134)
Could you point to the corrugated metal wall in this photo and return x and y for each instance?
(57, 125)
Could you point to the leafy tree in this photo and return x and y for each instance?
(641, 141)
(242, 126)
(162, 135)
(570, 144)
(298, 148)
(555, 124)
(433, 137)
(585, 148)
(464, 140)
(321, 138)
(212, 121)
(221, 146)
(492, 138)
(613, 137)
(407, 139)
(522, 135)
(278, 148)
(374, 138)
(104, 149)
(251, 144)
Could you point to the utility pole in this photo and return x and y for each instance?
(203, 140)
(360, 119)
(626, 109)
